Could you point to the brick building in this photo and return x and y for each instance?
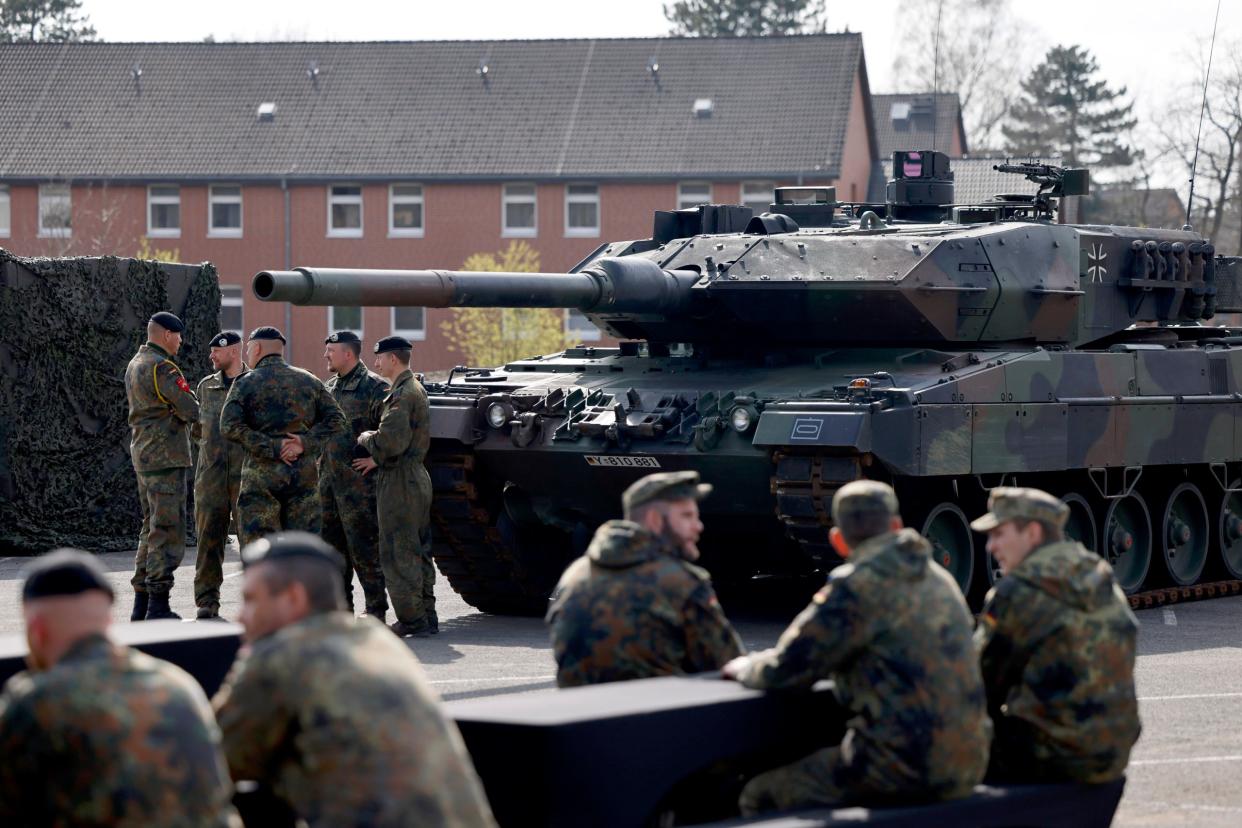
(409, 155)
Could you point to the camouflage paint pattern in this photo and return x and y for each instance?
(403, 500)
(161, 541)
(335, 715)
(631, 608)
(1057, 645)
(273, 399)
(347, 498)
(907, 671)
(110, 736)
(217, 483)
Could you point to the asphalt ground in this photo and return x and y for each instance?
(1184, 770)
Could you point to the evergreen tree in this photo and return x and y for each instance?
(1064, 109)
(743, 18)
(56, 21)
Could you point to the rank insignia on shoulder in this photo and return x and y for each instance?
(182, 384)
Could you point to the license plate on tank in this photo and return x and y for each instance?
(637, 461)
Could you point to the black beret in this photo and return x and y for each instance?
(342, 336)
(267, 332)
(64, 572)
(287, 545)
(225, 339)
(392, 343)
(168, 321)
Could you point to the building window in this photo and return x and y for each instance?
(578, 328)
(758, 195)
(693, 193)
(409, 322)
(164, 210)
(581, 210)
(231, 309)
(345, 318)
(405, 210)
(519, 210)
(6, 211)
(224, 206)
(55, 210)
(345, 211)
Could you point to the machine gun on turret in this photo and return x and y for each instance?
(1054, 182)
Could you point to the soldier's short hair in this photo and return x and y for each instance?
(402, 356)
(304, 558)
(864, 509)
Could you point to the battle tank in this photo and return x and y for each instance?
(946, 349)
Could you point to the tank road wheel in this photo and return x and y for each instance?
(1230, 529)
(1081, 525)
(948, 531)
(1184, 534)
(1127, 540)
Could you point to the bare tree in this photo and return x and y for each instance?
(981, 51)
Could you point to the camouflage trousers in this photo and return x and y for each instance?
(161, 541)
(349, 524)
(215, 500)
(403, 501)
(274, 497)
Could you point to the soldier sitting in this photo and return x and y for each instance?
(96, 733)
(892, 630)
(332, 713)
(1056, 641)
(634, 606)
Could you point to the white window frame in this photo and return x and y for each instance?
(345, 232)
(153, 201)
(6, 211)
(233, 296)
(581, 198)
(686, 201)
(214, 198)
(412, 334)
(768, 187)
(394, 200)
(582, 334)
(507, 198)
(46, 195)
(334, 327)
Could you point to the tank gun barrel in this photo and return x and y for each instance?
(610, 284)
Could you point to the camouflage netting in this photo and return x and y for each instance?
(68, 327)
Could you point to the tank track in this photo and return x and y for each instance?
(469, 549)
(1183, 594)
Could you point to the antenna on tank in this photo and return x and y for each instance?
(1190, 200)
(936, 77)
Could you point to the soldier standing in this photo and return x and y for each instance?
(892, 630)
(283, 417)
(161, 407)
(346, 495)
(635, 584)
(95, 733)
(333, 713)
(1056, 640)
(217, 477)
(403, 491)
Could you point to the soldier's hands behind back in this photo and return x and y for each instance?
(291, 448)
(364, 465)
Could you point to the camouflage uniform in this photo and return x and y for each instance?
(1057, 642)
(109, 736)
(347, 498)
(631, 608)
(161, 406)
(893, 632)
(403, 501)
(271, 399)
(335, 715)
(217, 479)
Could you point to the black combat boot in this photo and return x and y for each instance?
(208, 613)
(433, 622)
(418, 629)
(140, 607)
(158, 609)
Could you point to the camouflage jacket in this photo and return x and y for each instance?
(273, 399)
(631, 608)
(1057, 644)
(214, 451)
(161, 406)
(893, 632)
(110, 736)
(335, 715)
(360, 394)
(403, 435)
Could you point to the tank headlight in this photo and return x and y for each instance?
(497, 415)
(742, 418)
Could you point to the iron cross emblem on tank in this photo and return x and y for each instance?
(1095, 263)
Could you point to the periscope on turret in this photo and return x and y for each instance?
(944, 348)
